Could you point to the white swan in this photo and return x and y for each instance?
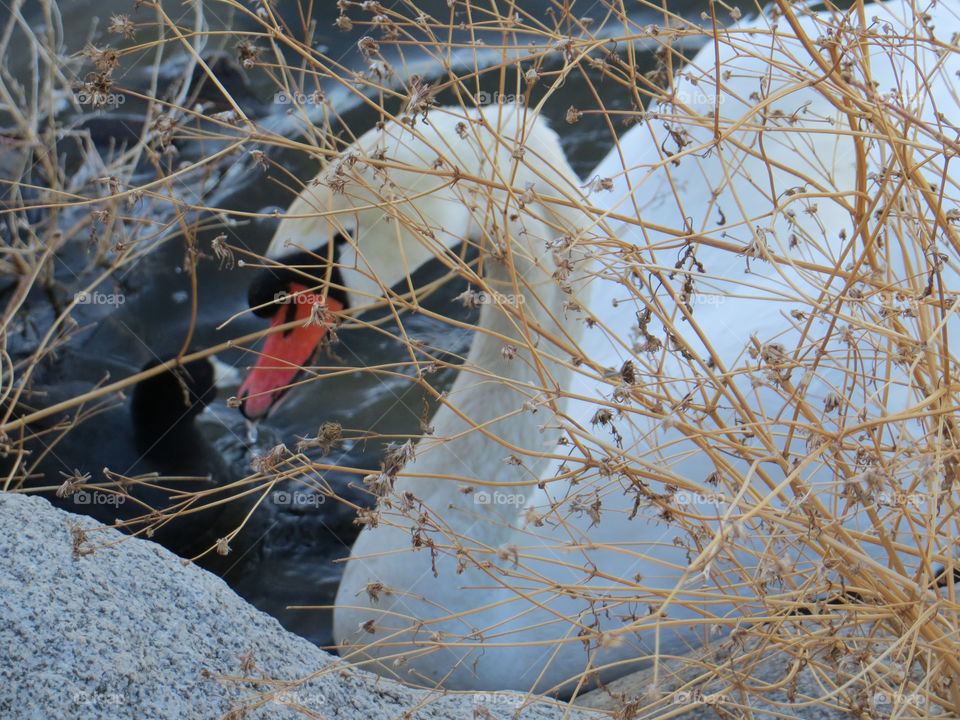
(777, 389)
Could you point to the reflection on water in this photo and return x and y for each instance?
(288, 553)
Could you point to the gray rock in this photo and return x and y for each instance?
(128, 631)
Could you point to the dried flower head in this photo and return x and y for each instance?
(247, 53)
(368, 46)
(222, 252)
(72, 483)
(104, 59)
(121, 25)
(329, 434)
(273, 457)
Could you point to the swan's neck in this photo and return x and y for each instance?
(499, 419)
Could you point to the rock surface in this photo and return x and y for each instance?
(128, 631)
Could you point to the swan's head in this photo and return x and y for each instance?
(287, 292)
(401, 195)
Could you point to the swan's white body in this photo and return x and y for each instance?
(543, 581)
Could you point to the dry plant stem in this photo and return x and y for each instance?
(211, 76)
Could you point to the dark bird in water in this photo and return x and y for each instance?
(144, 461)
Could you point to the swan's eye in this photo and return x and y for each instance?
(271, 286)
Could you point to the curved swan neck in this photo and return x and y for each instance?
(407, 194)
(496, 408)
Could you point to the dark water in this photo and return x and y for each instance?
(286, 556)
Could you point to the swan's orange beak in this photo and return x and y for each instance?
(284, 353)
